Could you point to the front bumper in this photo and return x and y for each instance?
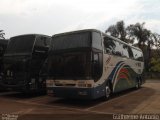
(67, 92)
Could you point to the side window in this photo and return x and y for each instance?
(97, 66)
(130, 53)
(137, 55)
(41, 47)
(1, 50)
(96, 40)
(42, 42)
(118, 48)
(112, 46)
(141, 57)
(125, 51)
(109, 45)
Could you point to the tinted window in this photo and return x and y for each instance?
(97, 66)
(125, 51)
(113, 47)
(42, 41)
(21, 44)
(96, 40)
(75, 40)
(137, 55)
(109, 45)
(69, 65)
(3, 45)
(118, 48)
(130, 53)
(1, 50)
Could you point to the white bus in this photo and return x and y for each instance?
(89, 64)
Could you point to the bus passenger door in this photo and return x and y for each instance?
(39, 56)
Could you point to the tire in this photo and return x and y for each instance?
(138, 84)
(108, 92)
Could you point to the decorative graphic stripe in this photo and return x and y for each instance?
(124, 76)
(113, 71)
(121, 71)
(124, 70)
(108, 60)
(116, 75)
(116, 71)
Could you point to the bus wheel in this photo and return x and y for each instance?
(138, 84)
(107, 92)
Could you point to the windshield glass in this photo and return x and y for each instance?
(3, 45)
(74, 40)
(20, 44)
(75, 65)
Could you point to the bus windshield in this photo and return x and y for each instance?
(20, 44)
(3, 45)
(75, 40)
(70, 65)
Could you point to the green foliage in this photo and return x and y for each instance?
(155, 65)
(139, 32)
(118, 30)
(2, 34)
(144, 39)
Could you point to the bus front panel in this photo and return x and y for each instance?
(75, 64)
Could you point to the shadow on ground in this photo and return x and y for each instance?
(122, 102)
(119, 100)
(19, 95)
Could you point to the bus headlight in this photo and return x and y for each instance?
(89, 85)
(82, 85)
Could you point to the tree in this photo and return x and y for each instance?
(156, 37)
(150, 43)
(112, 31)
(155, 65)
(119, 31)
(143, 37)
(138, 32)
(2, 34)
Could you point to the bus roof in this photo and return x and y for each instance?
(31, 34)
(77, 31)
(95, 30)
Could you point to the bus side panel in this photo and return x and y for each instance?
(125, 78)
(122, 76)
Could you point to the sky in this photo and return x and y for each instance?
(50, 17)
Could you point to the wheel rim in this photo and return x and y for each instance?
(108, 91)
(138, 84)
